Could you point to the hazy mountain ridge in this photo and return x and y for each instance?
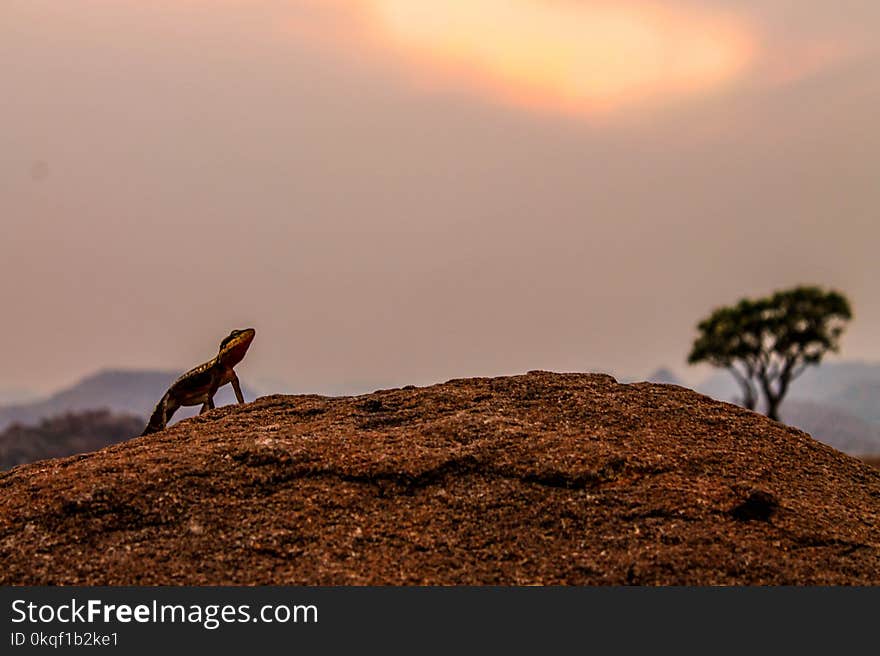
(852, 387)
(838, 403)
(65, 435)
(10, 395)
(665, 376)
(833, 426)
(121, 391)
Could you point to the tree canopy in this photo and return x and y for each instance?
(768, 342)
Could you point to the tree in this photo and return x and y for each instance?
(768, 342)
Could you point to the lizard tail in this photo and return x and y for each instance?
(158, 418)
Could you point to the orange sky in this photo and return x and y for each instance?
(590, 57)
(394, 196)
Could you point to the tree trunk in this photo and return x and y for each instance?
(774, 398)
(750, 397)
(749, 400)
(773, 408)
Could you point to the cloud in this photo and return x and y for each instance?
(581, 57)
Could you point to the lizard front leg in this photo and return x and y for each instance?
(237, 387)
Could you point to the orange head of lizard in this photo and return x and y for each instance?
(234, 347)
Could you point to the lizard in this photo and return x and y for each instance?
(200, 384)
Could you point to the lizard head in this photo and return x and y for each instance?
(234, 347)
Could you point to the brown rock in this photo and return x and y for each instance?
(543, 478)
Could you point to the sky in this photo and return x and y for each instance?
(403, 191)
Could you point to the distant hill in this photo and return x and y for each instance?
(15, 395)
(834, 427)
(661, 375)
(131, 392)
(837, 403)
(666, 376)
(861, 398)
(65, 435)
(853, 387)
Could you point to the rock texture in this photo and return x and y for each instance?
(535, 479)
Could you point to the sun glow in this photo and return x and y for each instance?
(569, 55)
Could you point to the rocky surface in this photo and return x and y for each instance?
(535, 479)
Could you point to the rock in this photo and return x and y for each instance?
(536, 479)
